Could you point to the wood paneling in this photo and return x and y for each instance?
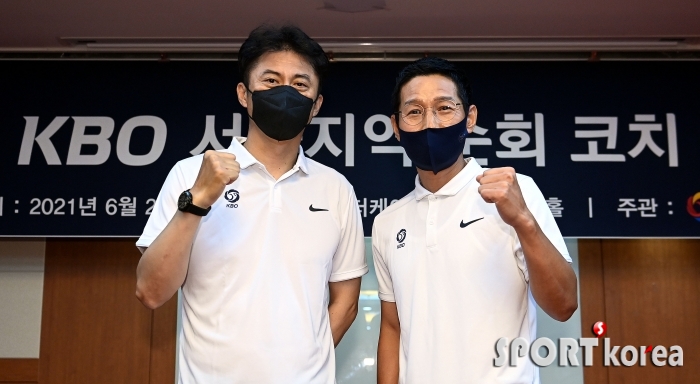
(94, 330)
(591, 283)
(651, 297)
(652, 292)
(16, 371)
(163, 342)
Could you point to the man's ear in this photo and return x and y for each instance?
(242, 93)
(317, 105)
(394, 125)
(471, 118)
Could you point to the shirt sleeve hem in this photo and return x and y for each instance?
(143, 242)
(387, 297)
(336, 277)
(566, 257)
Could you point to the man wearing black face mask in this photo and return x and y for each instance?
(464, 258)
(266, 244)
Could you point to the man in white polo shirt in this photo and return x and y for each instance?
(464, 258)
(266, 244)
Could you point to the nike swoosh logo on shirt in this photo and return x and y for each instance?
(312, 209)
(462, 224)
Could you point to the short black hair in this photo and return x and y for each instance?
(432, 66)
(271, 38)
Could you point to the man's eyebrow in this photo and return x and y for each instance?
(444, 98)
(298, 75)
(439, 98)
(412, 101)
(270, 72)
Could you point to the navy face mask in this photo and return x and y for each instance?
(434, 149)
(281, 112)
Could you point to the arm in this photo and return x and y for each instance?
(388, 349)
(552, 280)
(342, 308)
(163, 266)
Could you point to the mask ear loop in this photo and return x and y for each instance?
(251, 94)
(312, 109)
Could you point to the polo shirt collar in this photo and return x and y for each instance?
(302, 161)
(470, 171)
(245, 159)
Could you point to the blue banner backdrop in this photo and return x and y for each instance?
(614, 146)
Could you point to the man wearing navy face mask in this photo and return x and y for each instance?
(266, 244)
(461, 260)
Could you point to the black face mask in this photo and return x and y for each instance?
(434, 149)
(281, 112)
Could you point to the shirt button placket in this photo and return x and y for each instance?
(275, 197)
(430, 231)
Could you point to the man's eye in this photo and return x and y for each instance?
(414, 112)
(301, 85)
(270, 81)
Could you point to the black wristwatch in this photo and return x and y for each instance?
(184, 203)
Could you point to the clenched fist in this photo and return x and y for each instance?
(218, 170)
(500, 186)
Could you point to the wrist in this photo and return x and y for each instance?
(526, 224)
(198, 198)
(185, 203)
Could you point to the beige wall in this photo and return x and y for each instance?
(21, 293)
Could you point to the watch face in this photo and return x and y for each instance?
(184, 200)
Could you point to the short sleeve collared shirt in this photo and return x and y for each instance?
(255, 299)
(458, 275)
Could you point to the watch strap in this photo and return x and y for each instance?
(199, 211)
(189, 207)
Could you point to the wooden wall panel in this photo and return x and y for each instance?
(652, 290)
(648, 293)
(94, 330)
(19, 371)
(163, 343)
(592, 286)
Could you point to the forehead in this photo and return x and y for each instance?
(426, 88)
(287, 63)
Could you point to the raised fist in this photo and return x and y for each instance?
(500, 186)
(218, 170)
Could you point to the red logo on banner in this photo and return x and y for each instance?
(694, 201)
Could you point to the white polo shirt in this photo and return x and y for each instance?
(459, 279)
(255, 299)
